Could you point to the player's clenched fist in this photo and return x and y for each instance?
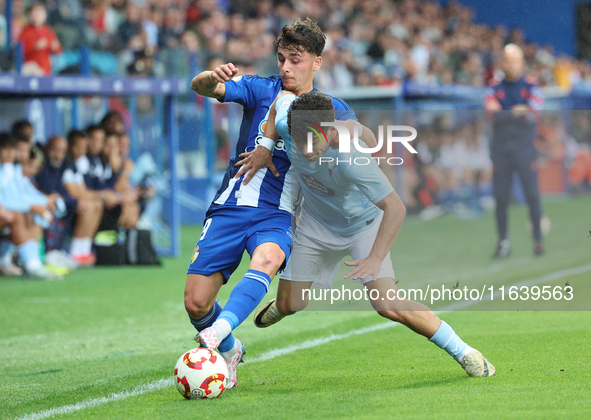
(212, 83)
(224, 73)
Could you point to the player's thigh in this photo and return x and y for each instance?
(269, 240)
(361, 246)
(310, 262)
(291, 296)
(201, 292)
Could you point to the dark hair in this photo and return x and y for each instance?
(20, 137)
(109, 118)
(35, 5)
(303, 34)
(6, 140)
(312, 101)
(92, 128)
(36, 153)
(75, 135)
(20, 125)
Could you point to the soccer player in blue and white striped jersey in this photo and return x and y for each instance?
(255, 215)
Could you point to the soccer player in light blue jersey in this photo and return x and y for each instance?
(348, 209)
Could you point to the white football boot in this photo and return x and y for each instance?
(208, 338)
(233, 358)
(267, 315)
(475, 364)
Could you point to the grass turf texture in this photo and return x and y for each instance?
(110, 330)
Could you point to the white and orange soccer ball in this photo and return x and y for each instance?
(201, 373)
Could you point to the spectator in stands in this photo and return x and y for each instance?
(174, 26)
(116, 176)
(90, 203)
(96, 142)
(49, 180)
(25, 128)
(128, 28)
(39, 43)
(98, 177)
(34, 164)
(24, 232)
(23, 148)
(113, 122)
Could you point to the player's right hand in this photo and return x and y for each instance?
(224, 73)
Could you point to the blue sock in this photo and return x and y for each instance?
(207, 321)
(245, 297)
(447, 339)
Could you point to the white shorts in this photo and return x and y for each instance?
(317, 253)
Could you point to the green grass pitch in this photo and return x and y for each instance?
(98, 344)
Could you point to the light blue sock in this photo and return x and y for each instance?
(29, 255)
(447, 339)
(245, 297)
(208, 320)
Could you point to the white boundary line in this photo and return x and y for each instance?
(93, 402)
(271, 354)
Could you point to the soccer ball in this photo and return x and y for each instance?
(201, 373)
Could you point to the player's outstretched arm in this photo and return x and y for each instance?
(394, 213)
(212, 83)
(260, 157)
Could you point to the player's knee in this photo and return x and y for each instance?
(195, 306)
(267, 261)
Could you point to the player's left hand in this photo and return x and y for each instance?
(368, 266)
(253, 161)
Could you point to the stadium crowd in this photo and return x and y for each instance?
(452, 172)
(63, 192)
(369, 43)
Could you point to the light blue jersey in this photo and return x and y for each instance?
(342, 196)
(17, 193)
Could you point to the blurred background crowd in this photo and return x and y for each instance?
(452, 171)
(55, 197)
(379, 42)
(68, 188)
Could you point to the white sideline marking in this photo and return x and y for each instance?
(93, 402)
(271, 354)
(168, 382)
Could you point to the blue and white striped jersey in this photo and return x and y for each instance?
(256, 94)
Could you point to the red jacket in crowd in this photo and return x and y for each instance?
(37, 50)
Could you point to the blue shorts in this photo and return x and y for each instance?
(228, 231)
